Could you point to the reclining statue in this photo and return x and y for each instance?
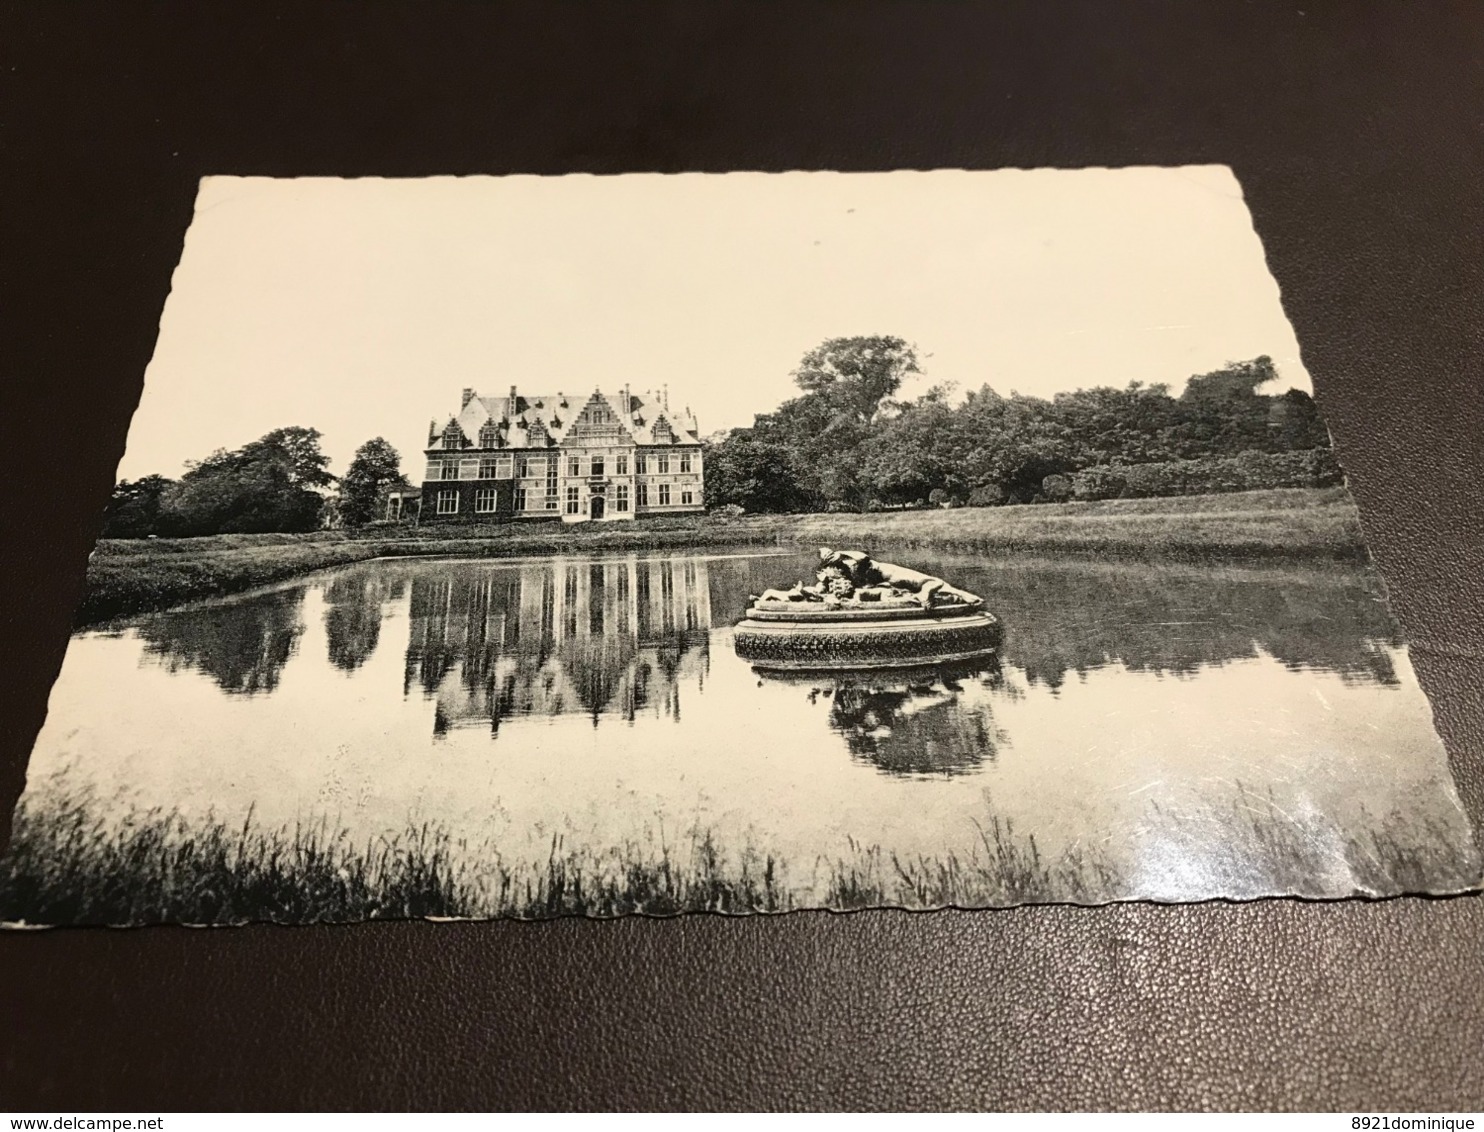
(854, 574)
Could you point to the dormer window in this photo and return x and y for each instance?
(453, 436)
(489, 435)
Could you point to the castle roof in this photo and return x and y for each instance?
(542, 419)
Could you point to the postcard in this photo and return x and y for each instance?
(544, 546)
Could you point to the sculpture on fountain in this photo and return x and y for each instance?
(854, 576)
(864, 613)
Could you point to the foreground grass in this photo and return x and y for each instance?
(66, 864)
(131, 575)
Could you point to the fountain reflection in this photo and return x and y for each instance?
(911, 722)
(613, 638)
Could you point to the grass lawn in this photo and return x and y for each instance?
(130, 575)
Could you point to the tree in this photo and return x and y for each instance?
(846, 384)
(855, 375)
(1013, 442)
(134, 509)
(297, 450)
(375, 467)
(1120, 426)
(272, 484)
(1294, 423)
(753, 474)
(914, 453)
(1223, 412)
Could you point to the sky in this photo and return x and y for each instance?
(362, 307)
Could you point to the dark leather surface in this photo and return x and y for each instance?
(1356, 132)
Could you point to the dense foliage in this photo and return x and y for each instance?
(276, 483)
(846, 445)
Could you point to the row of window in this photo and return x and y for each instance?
(501, 467)
(597, 465)
(662, 462)
(486, 499)
(487, 468)
(663, 497)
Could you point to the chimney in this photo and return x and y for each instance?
(628, 405)
(468, 396)
(510, 412)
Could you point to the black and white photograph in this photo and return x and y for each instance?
(528, 547)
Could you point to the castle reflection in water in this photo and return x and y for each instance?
(617, 637)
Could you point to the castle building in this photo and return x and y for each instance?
(579, 458)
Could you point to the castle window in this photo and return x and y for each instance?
(597, 466)
(520, 499)
(448, 502)
(685, 461)
(687, 496)
(488, 468)
(663, 460)
(574, 466)
(621, 498)
(449, 470)
(485, 500)
(489, 435)
(574, 501)
(523, 467)
(620, 465)
(641, 463)
(551, 502)
(664, 495)
(453, 437)
(641, 495)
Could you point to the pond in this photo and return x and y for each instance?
(1171, 732)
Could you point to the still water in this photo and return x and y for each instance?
(1194, 731)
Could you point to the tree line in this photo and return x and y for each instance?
(280, 482)
(845, 443)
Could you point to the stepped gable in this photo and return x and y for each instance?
(543, 420)
(653, 423)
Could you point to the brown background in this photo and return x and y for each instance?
(1356, 130)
